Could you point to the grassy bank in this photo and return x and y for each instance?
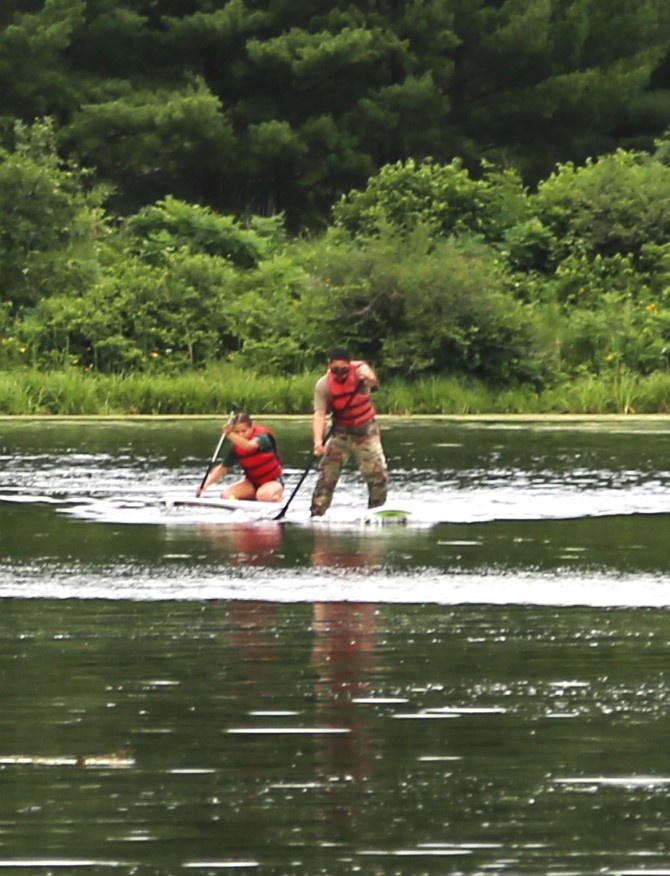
(26, 392)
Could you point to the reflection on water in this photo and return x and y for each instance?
(253, 544)
(343, 656)
(483, 696)
(332, 551)
(330, 737)
(253, 635)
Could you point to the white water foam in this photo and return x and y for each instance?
(423, 507)
(184, 582)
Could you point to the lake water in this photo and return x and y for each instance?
(483, 690)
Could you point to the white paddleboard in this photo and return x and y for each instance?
(263, 511)
(246, 505)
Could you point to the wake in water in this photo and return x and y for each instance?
(95, 488)
(439, 474)
(543, 525)
(424, 504)
(458, 506)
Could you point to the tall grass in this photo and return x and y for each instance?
(435, 395)
(622, 392)
(213, 391)
(221, 389)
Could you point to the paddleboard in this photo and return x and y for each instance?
(385, 516)
(246, 505)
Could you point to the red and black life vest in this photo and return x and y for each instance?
(260, 466)
(349, 407)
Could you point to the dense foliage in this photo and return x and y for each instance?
(461, 188)
(249, 106)
(427, 271)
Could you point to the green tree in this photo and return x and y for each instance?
(444, 197)
(51, 223)
(138, 316)
(173, 224)
(611, 206)
(35, 75)
(154, 142)
(417, 306)
(282, 107)
(537, 82)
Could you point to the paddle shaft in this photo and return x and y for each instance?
(214, 456)
(302, 478)
(326, 437)
(212, 461)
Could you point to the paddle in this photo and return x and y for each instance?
(214, 456)
(302, 478)
(326, 437)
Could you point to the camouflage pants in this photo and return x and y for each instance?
(365, 444)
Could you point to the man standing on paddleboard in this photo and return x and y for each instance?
(344, 392)
(254, 449)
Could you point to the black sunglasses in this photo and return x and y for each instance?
(339, 371)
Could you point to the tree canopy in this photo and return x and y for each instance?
(427, 270)
(477, 188)
(256, 107)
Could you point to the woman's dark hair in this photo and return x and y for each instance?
(242, 417)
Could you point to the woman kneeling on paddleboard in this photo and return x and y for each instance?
(254, 448)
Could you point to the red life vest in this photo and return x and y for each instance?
(260, 466)
(350, 408)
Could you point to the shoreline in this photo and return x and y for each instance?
(528, 417)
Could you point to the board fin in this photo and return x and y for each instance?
(387, 517)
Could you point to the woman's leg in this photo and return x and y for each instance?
(243, 489)
(273, 491)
